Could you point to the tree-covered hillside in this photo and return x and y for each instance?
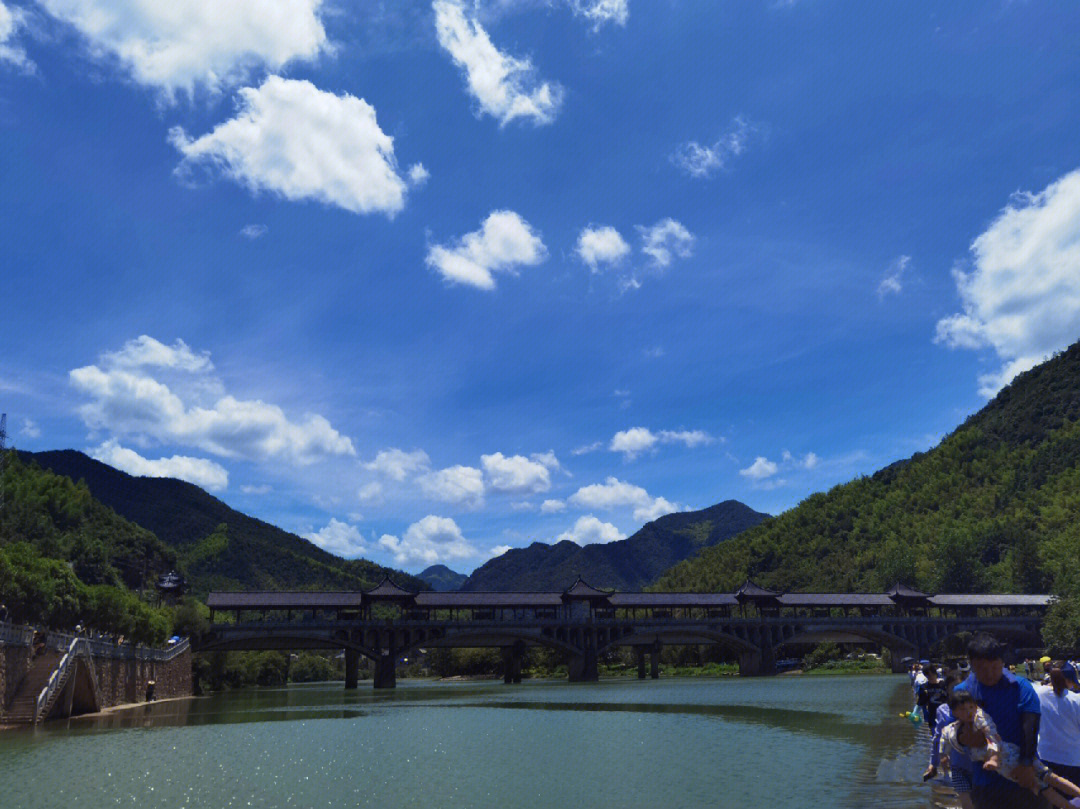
(629, 564)
(219, 548)
(65, 558)
(994, 507)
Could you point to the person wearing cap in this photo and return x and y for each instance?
(1059, 728)
(1014, 707)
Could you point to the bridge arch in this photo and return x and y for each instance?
(683, 637)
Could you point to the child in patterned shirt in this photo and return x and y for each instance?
(974, 735)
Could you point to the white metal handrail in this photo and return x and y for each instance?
(57, 678)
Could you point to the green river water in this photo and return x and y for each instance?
(717, 743)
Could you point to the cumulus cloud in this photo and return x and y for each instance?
(614, 493)
(552, 506)
(601, 245)
(505, 87)
(370, 492)
(1021, 296)
(254, 232)
(11, 20)
(263, 488)
(200, 471)
(504, 242)
(516, 473)
(591, 531)
(808, 461)
(665, 241)
(182, 44)
(430, 540)
(462, 485)
(128, 397)
(30, 429)
(292, 139)
(339, 538)
(892, 283)
(760, 469)
(498, 550)
(599, 12)
(636, 440)
(397, 464)
(702, 161)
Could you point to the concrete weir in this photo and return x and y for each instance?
(388, 623)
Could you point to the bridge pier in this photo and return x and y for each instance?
(386, 669)
(352, 668)
(640, 652)
(654, 661)
(512, 656)
(583, 668)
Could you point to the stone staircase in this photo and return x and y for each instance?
(23, 708)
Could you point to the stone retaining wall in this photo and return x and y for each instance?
(14, 663)
(124, 680)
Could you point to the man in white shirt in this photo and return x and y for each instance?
(1059, 728)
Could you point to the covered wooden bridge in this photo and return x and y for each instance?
(388, 623)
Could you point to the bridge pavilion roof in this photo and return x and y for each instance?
(581, 590)
(284, 600)
(623, 601)
(835, 600)
(388, 591)
(465, 600)
(990, 600)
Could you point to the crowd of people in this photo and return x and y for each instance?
(1001, 740)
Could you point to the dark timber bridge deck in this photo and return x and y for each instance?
(389, 622)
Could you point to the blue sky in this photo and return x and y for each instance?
(425, 281)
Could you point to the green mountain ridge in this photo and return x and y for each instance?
(441, 578)
(216, 547)
(994, 507)
(629, 564)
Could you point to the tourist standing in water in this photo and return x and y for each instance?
(1013, 706)
(1059, 728)
(931, 695)
(959, 765)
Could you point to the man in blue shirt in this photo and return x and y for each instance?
(1014, 706)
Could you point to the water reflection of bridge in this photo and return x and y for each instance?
(388, 623)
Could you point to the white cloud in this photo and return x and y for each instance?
(636, 440)
(666, 240)
(339, 538)
(548, 459)
(370, 492)
(601, 245)
(254, 232)
(808, 461)
(129, 398)
(504, 242)
(892, 283)
(505, 87)
(653, 353)
(701, 161)
(498, 550)
(177, 45)
(200, 471)
(552, 506)
(30, 429)
(591, 531)
(585, 449)
(11, 20)
(463, 485)
(430, 540)
(264, 488)
(633, 442)
(760, 469)
(418, 175)
(614, 493)
(292, 139)
(1022, 295)
(599, 12)
(397, 464)
(516, 473)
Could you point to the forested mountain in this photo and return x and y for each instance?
(65, 558)
(994, 507)
(629, 564)
(442, 579)
(217, 547)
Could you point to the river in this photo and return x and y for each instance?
(716, 743)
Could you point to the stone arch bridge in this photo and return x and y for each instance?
(389, 623)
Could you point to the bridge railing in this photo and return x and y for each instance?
(16, 634)
(101, 648)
